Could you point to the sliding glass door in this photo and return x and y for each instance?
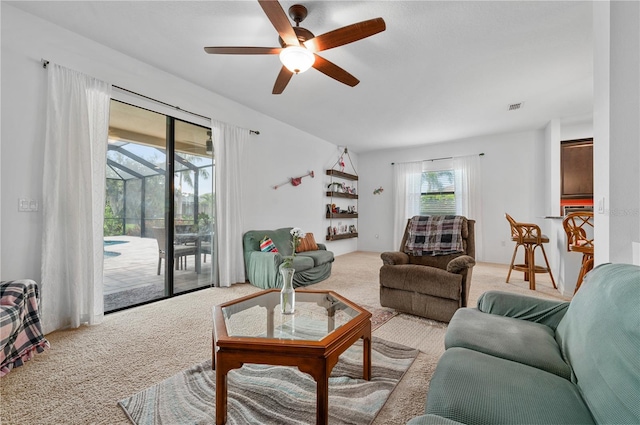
(159, 208)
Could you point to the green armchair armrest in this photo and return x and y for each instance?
(263, 266)
(546, 312)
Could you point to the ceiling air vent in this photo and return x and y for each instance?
(514, 106)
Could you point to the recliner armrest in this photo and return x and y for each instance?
(460, 264)
(538, 310)
(394, 258)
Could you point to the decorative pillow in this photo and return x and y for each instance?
(267, 245)
(308, 243)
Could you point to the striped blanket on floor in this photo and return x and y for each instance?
(435, 235)
(20, 329)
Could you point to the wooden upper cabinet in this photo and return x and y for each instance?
(576, 168)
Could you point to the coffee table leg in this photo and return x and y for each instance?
(221, 395)
(366, 355)
(322, 402)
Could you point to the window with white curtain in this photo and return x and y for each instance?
(437, 188)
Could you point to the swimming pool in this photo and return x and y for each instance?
(112, 242)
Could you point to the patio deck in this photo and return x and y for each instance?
(131, 277)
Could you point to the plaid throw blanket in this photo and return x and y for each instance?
(20, 330)
(435, 235)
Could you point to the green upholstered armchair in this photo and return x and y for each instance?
(523, 360)
(262, 268)
(427, 285)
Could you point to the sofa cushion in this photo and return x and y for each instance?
(302, 263)
(600, 337)
(266, 245)
(475, 388)
(308, 243)
(410, 277)
(319, 257)
(524, 342)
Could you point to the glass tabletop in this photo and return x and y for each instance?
(317, 314)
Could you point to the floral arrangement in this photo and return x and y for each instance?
(296, 235)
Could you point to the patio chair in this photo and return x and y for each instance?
(180, 252)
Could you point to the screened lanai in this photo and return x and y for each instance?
(159, 211)
(135, 190)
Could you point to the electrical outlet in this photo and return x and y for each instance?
(27, 205)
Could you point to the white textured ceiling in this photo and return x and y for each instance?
(442, 70)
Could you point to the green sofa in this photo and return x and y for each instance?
(262, 268)
(523, 360)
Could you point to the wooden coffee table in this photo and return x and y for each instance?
(252, 330)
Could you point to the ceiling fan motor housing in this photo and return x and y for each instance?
(302, 33)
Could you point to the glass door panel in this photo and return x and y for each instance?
(193, 208)
(134, 242)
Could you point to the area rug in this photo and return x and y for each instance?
(261, 394)
(379, 315)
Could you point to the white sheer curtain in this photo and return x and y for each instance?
(73, 200)
(228, 145)
(468, 194)
(407, 179)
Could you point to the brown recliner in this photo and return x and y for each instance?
(431, 286)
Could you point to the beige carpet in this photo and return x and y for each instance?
(87, 370)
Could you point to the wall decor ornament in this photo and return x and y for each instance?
(295, 181)
(378, 191)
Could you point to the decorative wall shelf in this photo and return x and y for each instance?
(342, 215)
(342, 195)
(342, 187)
(342, 236)
(342, 175)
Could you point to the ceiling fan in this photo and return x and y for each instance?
(299, 47)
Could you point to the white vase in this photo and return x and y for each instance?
(287, 294)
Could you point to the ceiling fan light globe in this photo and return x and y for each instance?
(297, 59)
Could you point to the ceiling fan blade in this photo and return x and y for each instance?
(334, 71)
(280, 21)
(281, 82)
(243, 50)
(346, 35)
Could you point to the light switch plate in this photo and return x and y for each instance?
(601, 206)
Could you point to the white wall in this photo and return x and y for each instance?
(279, 153)
(512, 182)
(616, 129)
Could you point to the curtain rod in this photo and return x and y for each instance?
(436, 159)
(256, 132)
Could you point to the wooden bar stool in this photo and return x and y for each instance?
(578, 226)
(529, 236)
